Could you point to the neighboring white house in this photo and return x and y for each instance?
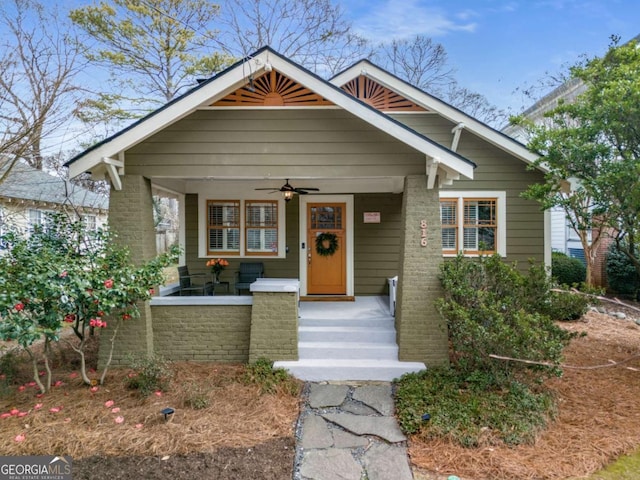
(27, 195)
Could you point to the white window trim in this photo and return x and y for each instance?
(501, 199)
(202, 224)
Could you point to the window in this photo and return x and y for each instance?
(473, 222)
(90, 222)
(480, 226)
(448, 216)
(252, 227)
(261, 227)
(223, 227)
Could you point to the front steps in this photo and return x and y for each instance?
(342, 341)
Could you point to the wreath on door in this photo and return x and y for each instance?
(326, 244)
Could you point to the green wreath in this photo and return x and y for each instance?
(333, 244)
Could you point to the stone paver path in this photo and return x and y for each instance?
(348, 432)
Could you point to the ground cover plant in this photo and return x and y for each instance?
(492, 310)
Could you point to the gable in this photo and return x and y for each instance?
(380, 97)
(434, 105)
(290, 83)
(272, 89)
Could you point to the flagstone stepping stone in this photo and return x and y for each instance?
(387, 462)
(331, 464)
(327, 395)
(342, 439)
(384, 427)
(315, 433)
(357, 408)
(377, 397)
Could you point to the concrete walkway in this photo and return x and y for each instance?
(349, 432)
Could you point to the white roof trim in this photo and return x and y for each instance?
(430, 102)
(234, 78)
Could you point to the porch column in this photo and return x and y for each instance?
(274, 319)
(131, 218)
(421, 332)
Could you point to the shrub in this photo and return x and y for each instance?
(150, 374)
(466, 411)
(270, 379)
(622, 276)
(196, 396)
(491, 308)
(567, 270)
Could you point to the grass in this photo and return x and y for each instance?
(470, 411)
(625, 468)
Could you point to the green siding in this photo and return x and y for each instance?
(377, 245)
(496, 170)
(273, 143)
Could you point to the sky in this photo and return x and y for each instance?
(500, 46)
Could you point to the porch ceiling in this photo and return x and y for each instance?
(247, 185)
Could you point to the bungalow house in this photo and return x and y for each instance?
(28, 194)
(334, 186)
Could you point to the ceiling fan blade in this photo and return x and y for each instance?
(310, 189)
(301, 192)
(274, 189)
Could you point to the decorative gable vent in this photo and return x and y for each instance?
(272, 89)
(379, 97)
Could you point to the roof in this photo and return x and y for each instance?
(424, 99)
(108, 154)
(27, 183)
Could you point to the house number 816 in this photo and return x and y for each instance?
(423, 233)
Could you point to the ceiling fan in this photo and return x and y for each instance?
(288, 190)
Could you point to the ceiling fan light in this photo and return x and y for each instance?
(288, 195)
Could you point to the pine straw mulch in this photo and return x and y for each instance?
(598, 416)
(238, 419)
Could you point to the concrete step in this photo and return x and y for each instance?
(317, 370)
(346, 334)
(373, 322)
(347, 350)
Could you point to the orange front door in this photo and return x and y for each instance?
(326, 260)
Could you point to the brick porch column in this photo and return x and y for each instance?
(131, 218)
(274, 319)
(420, 331)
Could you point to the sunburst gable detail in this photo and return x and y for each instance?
(379, 97)
(273, 89)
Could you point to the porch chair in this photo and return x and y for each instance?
(247, 274)
(194, 284)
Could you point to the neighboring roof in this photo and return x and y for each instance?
(106, 153)
(27, 183)
(396, 84)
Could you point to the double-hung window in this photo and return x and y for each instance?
(243, 228)
(261, 227)
(223, 227)
(473, 222)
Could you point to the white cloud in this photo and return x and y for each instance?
(394, 19)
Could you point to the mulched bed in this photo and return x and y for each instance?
(272, 460)
(598, 417)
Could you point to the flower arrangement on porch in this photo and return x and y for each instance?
(217, 267)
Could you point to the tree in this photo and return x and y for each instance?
(593, 145)
(314, 33)
(37, 72)
(420, 61)
(62, 273)
(152, 49)
(424, 64)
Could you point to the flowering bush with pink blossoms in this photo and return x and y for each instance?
(65, 273)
